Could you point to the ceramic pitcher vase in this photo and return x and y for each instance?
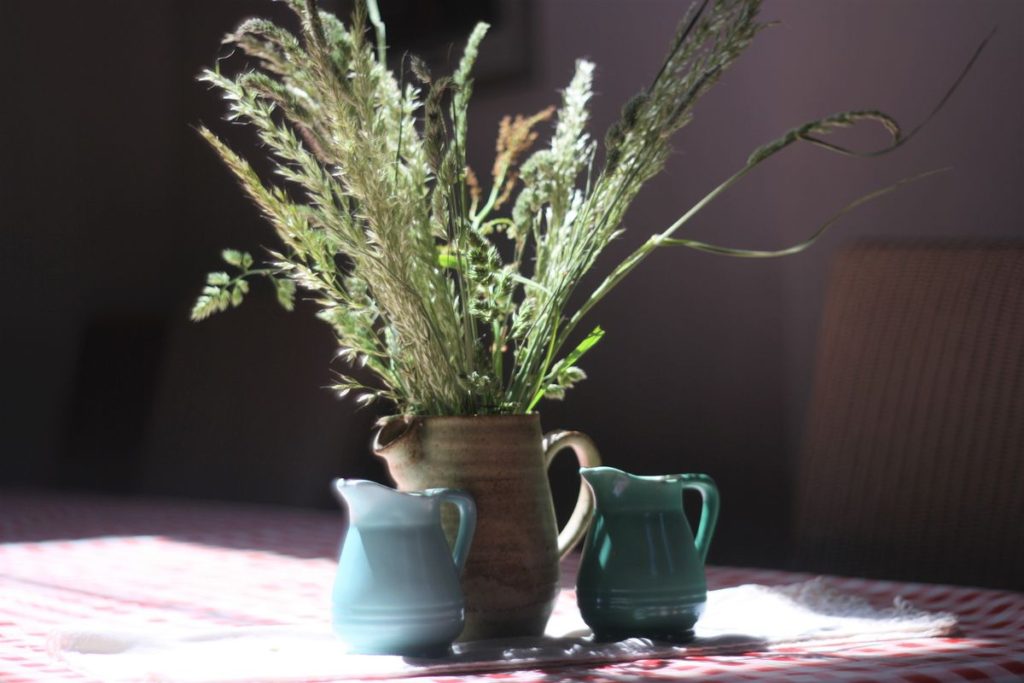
(397, 590)
(511, 577)
(642, 570)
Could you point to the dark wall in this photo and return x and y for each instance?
(112, 210)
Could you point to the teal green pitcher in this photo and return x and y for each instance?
(642, 572)
(397, 590)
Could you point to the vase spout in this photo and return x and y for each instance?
(398, 439)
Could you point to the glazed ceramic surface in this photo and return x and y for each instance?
(511, 577)
(397, 590)
(642, 571)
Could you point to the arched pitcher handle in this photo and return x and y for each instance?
(587, 455)
(467, 522)
(705, 485)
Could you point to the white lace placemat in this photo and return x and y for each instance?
(737, 620)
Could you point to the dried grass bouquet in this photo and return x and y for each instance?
(454, 295)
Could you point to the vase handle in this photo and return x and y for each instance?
(586, 453)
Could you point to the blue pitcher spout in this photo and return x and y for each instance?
(368, 500)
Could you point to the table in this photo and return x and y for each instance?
(169, 562)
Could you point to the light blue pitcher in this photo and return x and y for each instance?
(397, 586)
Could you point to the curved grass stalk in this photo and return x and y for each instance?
(378, 26)
(799, 246)
(808, 132)
(762, 154)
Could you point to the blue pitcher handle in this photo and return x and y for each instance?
(705, 485)
(467, 522)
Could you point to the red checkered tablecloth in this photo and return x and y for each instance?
(72, 559)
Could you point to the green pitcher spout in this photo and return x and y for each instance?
(605, 482)
(613, 487)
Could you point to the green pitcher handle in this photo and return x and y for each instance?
(467, 522)
(705, 485)
(586, 453)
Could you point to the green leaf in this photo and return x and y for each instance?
(285, 293)
(529, 284)
(446, 259)
(232, 256)
(218, 278)
(236, 296)
(204, 308)
(588, 343)
(570, 375)
(557, 391)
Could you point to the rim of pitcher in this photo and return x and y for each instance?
(394, 428)
(666, 478)
(339, 483)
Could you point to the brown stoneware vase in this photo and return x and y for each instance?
(510, 579)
